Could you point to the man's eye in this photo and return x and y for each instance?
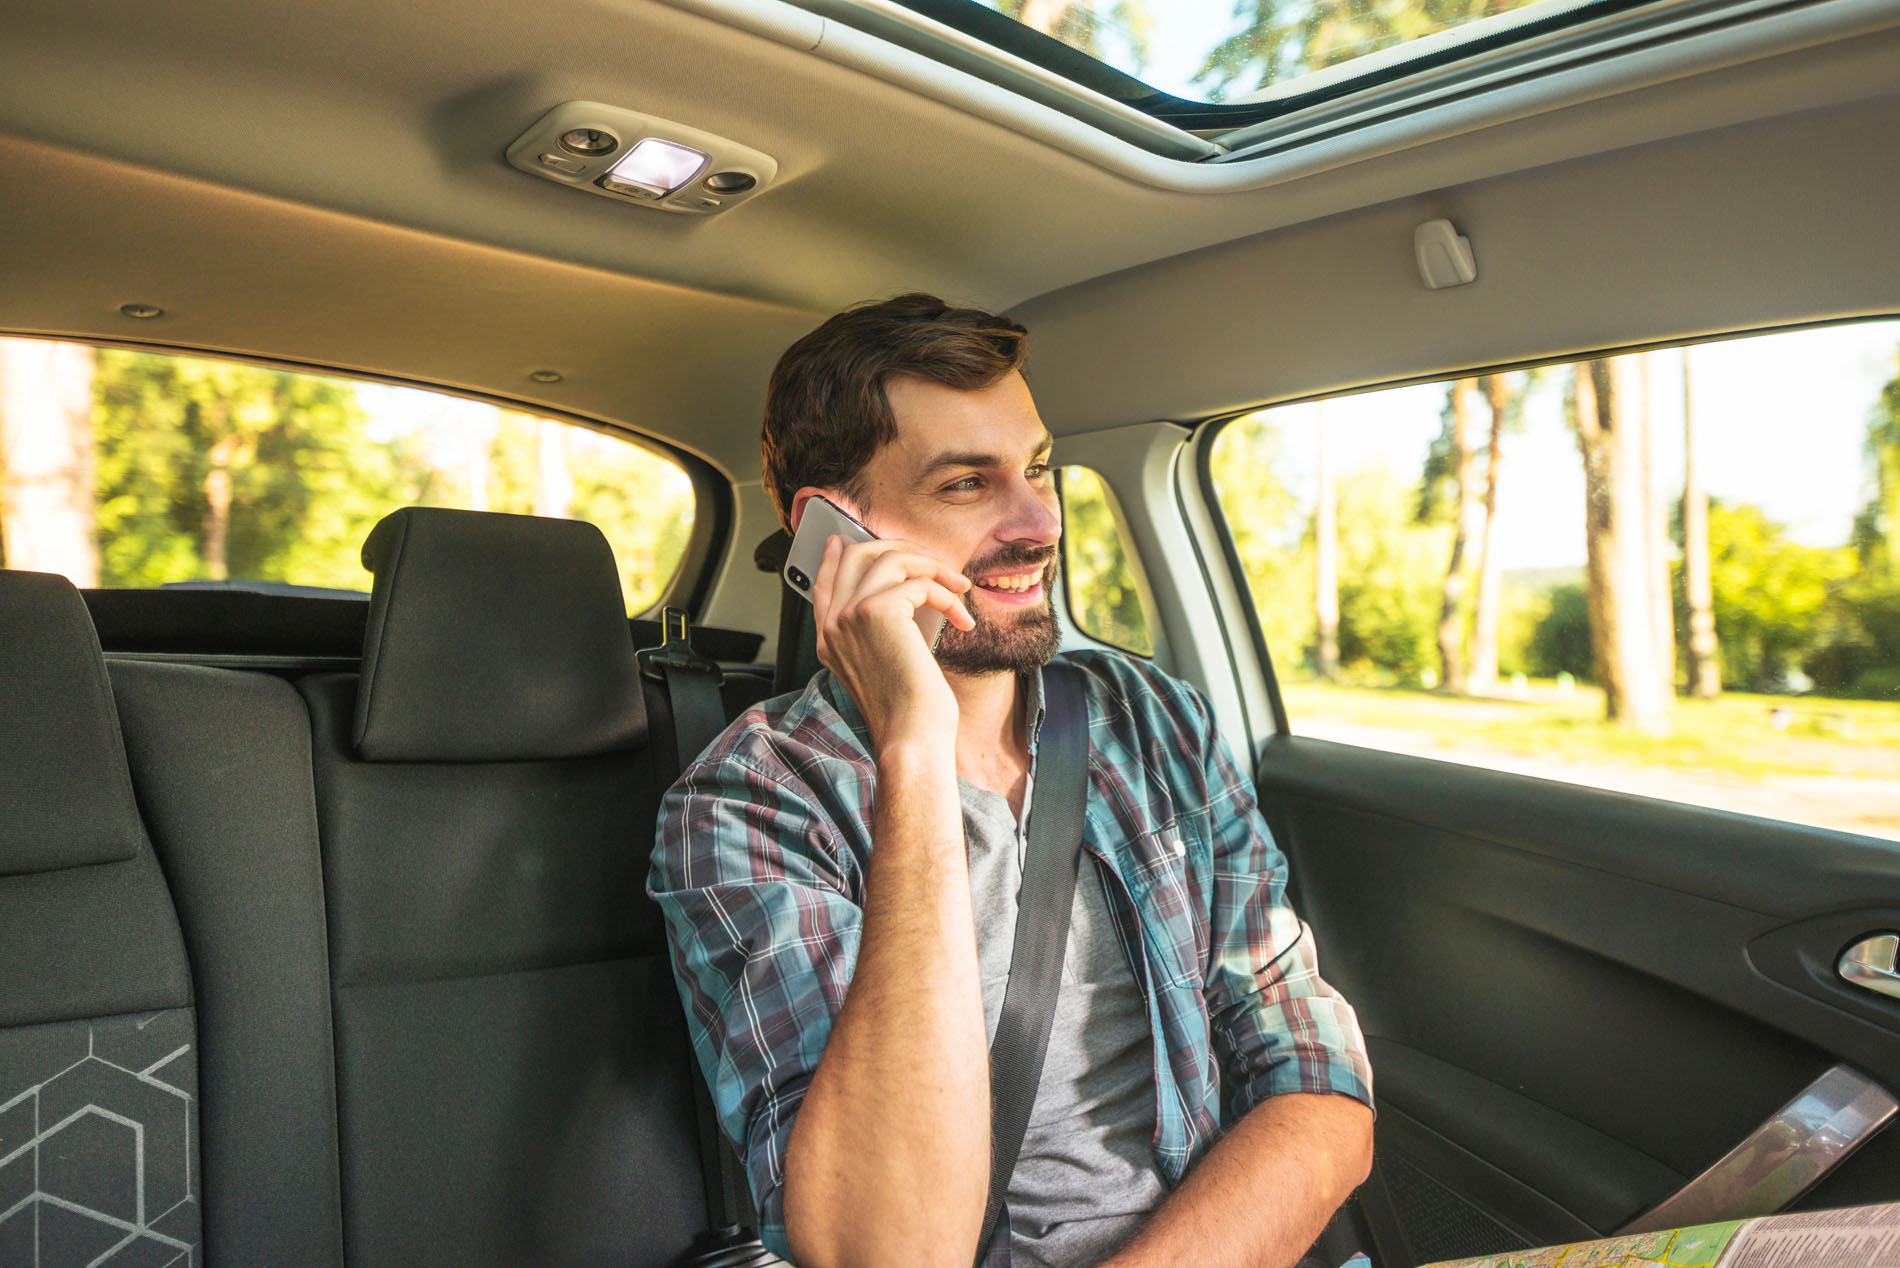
(968, 484)
(1037, 470)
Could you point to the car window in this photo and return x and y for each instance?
(1102, 581)
(126, 468)
(1674, 573)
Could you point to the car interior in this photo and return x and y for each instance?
(323, 933)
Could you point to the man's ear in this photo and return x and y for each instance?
(799, 499)
(836, 498)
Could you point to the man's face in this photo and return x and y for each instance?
(966, 479)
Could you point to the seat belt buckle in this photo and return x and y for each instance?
(675, 650)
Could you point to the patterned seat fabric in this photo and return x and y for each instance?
(98, 1042)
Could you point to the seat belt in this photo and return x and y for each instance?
(1044, 903)
(698, 716)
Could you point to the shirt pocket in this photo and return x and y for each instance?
(1170, 904)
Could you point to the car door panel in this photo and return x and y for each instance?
(1575, 1000)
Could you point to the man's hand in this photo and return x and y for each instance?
(865, 601)
(1261, 1196)
(888, 1160)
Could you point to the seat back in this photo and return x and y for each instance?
(98, 1036)
(221, 763)
(512, 1068)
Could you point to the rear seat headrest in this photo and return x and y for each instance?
(494, 638)
(65, 790)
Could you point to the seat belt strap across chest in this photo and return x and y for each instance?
(1044, 903)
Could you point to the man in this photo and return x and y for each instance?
(839, 873)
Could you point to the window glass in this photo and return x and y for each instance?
(1672, 573)
(1218, 51)
(141, 469)
(1107, 595)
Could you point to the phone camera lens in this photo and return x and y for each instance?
(798, 578)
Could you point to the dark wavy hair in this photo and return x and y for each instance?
(826, 411)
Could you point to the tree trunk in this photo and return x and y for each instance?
(553, 482)
(1483, 676)
(478, 433)
(46, 459)
(1451, 610)
(1662, 605)
(1705, 674)
(217, 522)
(1616, 518)
(1325, 557)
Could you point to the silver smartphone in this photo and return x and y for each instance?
(824, 519)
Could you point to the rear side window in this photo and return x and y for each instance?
(1672, 573)
(124, 468)
(1101, 573)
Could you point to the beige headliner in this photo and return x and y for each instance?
(327, 186)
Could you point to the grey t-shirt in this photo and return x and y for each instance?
(1087, 1176)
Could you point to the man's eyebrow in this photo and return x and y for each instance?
(979, 460)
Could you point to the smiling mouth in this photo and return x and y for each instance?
(1016, 584)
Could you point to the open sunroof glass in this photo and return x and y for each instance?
(1204, 64)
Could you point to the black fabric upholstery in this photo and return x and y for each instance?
(238, 622)
(89, 942)
(228, 622)
(438, 869)
(65, 797)
(536, 1119)
(512, 1074)
(221, 763)
(494, 638)
(98, 1048)
(797, 656)
(97, 1138)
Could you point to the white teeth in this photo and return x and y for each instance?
(1013, 584)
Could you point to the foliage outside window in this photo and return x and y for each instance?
(1222, 51)
(1105, 592)
(1673, 573)
(139, 469)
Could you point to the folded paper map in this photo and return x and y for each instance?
(1851, 1237)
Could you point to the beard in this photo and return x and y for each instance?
(1014, 640)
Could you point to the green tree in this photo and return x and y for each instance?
(1771, 594)
(641, 500)
(1089, 26)
(1560, 642)
(1277, 39)
(1271, 534)
(1879, 521)
(1390, 570)
(1504, 396)
(1104, 590)
(1449, 488)
(213, 469)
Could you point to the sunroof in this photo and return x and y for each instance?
(1204, 63)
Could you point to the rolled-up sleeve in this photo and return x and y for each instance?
(1276, 1024)
(754, 886)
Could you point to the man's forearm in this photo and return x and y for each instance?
(889, 1158)
(1264, 1192)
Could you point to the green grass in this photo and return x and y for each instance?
(1737, 733)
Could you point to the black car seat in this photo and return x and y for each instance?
(98, 1035)
(513, 1079)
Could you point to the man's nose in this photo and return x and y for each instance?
(1035, 515)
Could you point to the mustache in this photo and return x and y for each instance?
(1010, 557)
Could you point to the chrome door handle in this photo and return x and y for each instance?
(1871, 964)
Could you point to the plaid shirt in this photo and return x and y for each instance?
(763, 848)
